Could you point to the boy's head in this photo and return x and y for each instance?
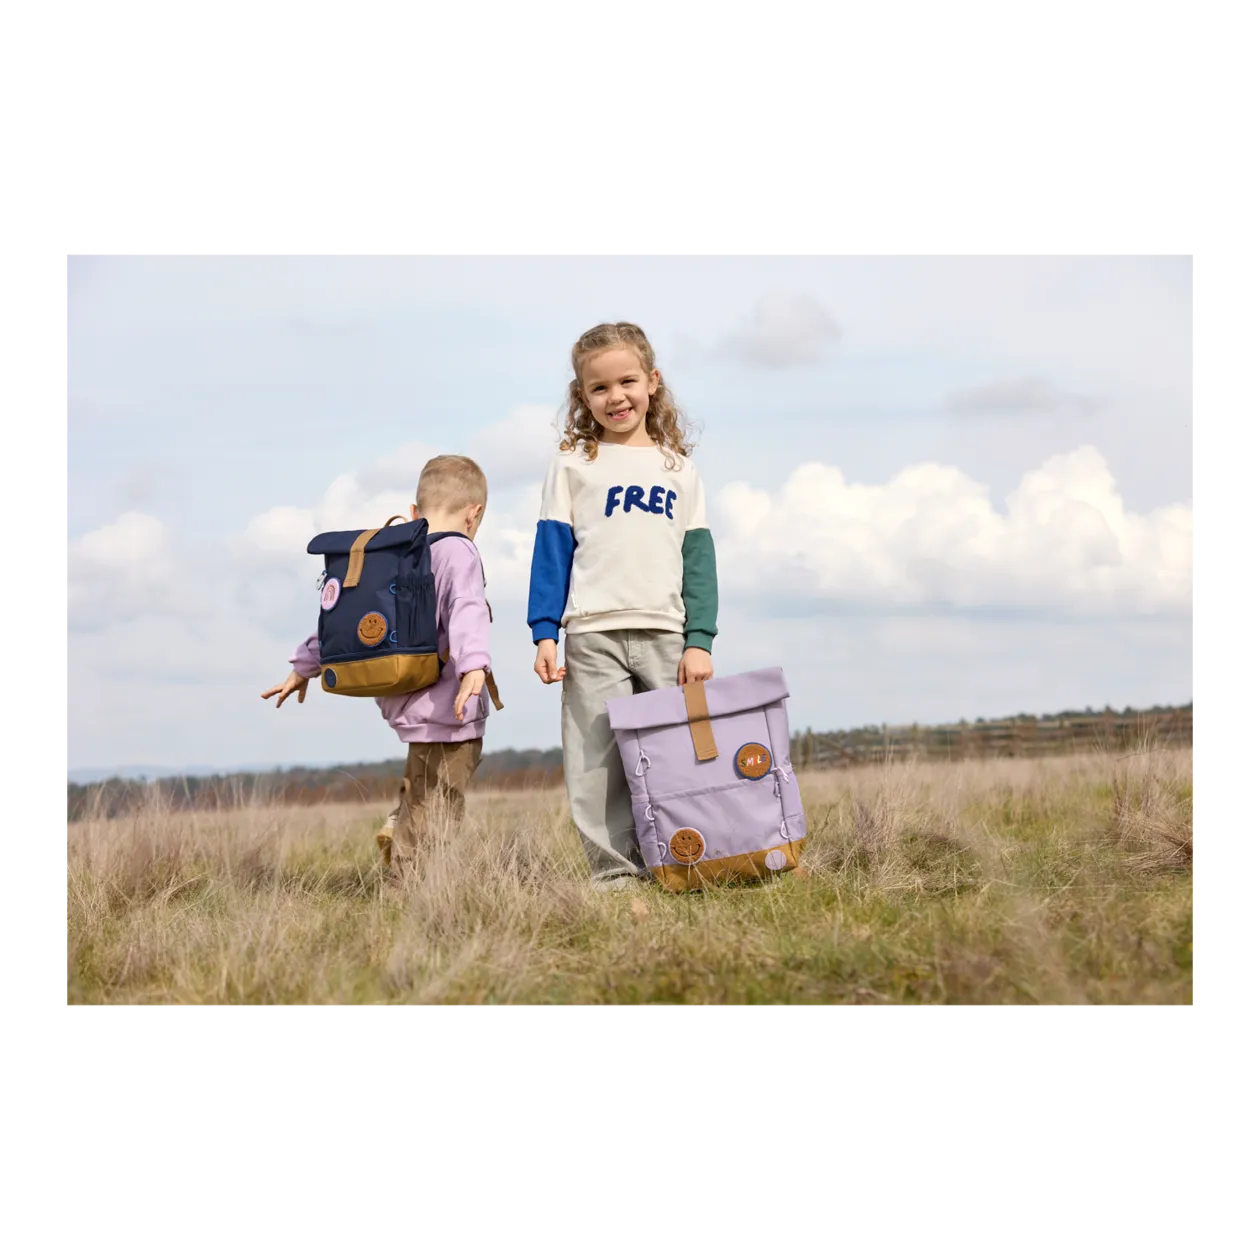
(451, 494)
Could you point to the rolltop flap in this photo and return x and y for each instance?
(668, 706)
(340, 541)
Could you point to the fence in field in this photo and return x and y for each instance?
(1011, 737)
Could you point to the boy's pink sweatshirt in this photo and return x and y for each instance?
(463, 626)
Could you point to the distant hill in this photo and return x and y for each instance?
(299, 785)
(510, 769)
(99, 774)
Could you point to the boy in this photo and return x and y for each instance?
(442, 725)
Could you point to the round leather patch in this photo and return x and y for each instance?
(687, 845)
(776, 860)
(372, 629)
(753, 761)
(330, 678)
(330, 594)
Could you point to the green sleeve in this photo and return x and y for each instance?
(699, 589)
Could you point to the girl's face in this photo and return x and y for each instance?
(616, 390)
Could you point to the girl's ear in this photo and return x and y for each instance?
(653, 381)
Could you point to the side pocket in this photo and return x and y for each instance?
(425, 633)
(417, 613)
(404, 602)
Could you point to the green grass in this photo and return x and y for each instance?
(1065, 880)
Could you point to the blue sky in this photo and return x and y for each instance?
(939, 487)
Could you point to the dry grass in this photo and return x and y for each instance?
(1064, 880)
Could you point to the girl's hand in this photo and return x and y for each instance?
(294, 682)
(545, 662)
(696, 666)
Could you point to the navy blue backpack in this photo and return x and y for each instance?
(378, 611)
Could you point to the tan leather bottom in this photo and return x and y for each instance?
(745, 866)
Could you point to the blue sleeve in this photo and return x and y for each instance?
(554, 545)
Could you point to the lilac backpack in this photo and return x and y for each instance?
(711, 785)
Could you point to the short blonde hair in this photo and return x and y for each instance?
(448, 483)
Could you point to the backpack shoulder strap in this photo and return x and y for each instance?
(491, 686)
(454, 533)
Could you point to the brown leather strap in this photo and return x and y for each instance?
(698, 721)
(493, 689)
(355, 571)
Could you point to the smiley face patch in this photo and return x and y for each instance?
(687, 846)
(372, 628)
(753, 761)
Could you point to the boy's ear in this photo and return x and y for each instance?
(415, 512)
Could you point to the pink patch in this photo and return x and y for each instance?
(330, 594)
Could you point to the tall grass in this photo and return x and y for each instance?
(1064, 880)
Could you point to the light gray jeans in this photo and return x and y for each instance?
(600, 664)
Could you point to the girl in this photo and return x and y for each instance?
(623, 560)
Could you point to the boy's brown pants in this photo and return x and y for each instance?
(431, 798)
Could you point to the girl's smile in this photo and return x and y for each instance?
(617, 392)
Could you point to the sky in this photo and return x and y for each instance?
(939, 488)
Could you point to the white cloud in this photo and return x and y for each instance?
(1026, 396)
(355, 500)
(517, 448)
(313, 363)
(272, 572)
(785, 329)
(396, 474)
(930, 538)
(281, 530)
(133, 706)
(121, 570)
(141, 694)
(134, 540)
(809, 572)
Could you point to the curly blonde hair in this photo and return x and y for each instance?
(666, 424)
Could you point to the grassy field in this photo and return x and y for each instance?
(1058, 880)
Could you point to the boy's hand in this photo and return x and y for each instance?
(294, 682)
(696, 666)
(469, 685)
(545, 662)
